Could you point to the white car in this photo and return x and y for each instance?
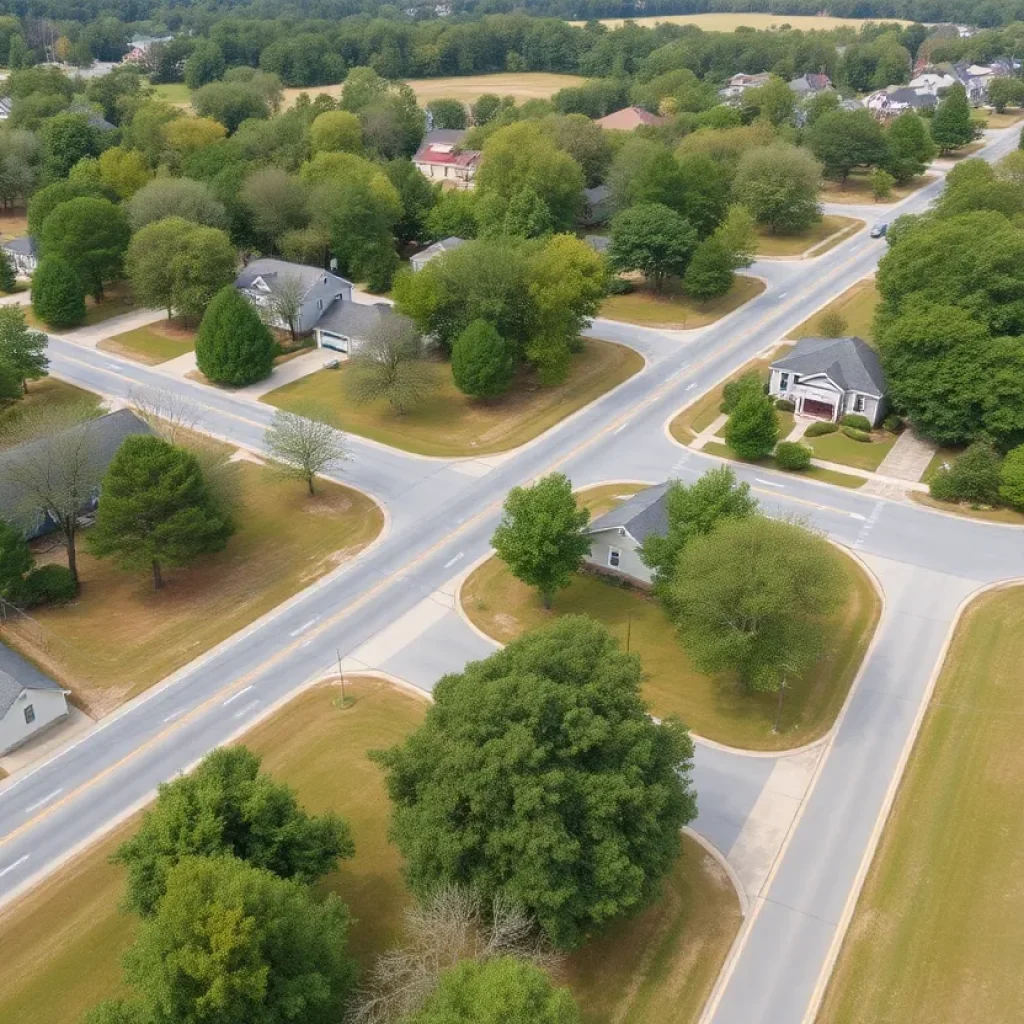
(332, 364)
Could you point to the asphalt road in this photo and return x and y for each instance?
(441, 515)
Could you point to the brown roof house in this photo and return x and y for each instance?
(628, 118)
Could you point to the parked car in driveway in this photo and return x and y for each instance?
(332, 364)
(879, 230)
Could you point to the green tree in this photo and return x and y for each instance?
(482, 363)
(453, 216)
(1004, 92)
(389, 366)
(845, 139)
(710, 272)
(911, 148)
(734, 391)
(8, 279)
(156, 509)
(753, 428)
(336, 131)
(485, 107)
(233, 345)
(205, 64)
(417, 198)
(974, 476)
(11, 388)
(176, 197)
(586, 142)
(707, 188)
(305, 443)
(693, 511)
(737, 233)
(541, 536)
(231, 103)
(22, 349)
(67, 138)
(504, 989)
(15, 559)
(233, 943)
(447, 113)
(881, 183)
(539, 775)
(779, 185)
(773, 102)
(58, 294)
(951, 124)
(228, 807)
(47, 199)
(527, 215)
(753, 597)
(1011, 479)
(832, 324)
(974, 185)
(91, 236)
(653, 239)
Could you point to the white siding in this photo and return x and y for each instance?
(49, 706)
(629, 559)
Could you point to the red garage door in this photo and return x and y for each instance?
(821, 410)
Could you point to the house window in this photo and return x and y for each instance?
(30, 714)
(613, 557)
(783, 381)
(319, 303)
(858, 403)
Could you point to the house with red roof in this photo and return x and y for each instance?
(440, 159)
(628, 118)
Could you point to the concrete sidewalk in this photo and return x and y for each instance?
(91, 336)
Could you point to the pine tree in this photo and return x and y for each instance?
(482, 362)
(233, 345)
(951, 125)
(22, 349)
(15, 558)
(58, 295)
(8, 279)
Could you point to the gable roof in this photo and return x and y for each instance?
(17, 674)
(439, 147)
(642, 515)
(318, 283)
(24, 245)
(352, 319)
(628, 118)
(445, 245)
(851, 362)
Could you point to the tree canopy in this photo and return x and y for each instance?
(779, 185)
(233, 345)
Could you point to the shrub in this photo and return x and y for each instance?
(857, 435)
(483, 364)
(785, 405)
(855, 420)
(821, 427)
(1011, 477)
(975, 476)
(734, 390)
(893, 423)
(792, 456)
(832, 324)
(58, 295)
(49, 584)
(621, 286)
(753, 428)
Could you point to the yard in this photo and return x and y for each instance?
(857, 189)
(1007, 119)
(729, 22)
(49, 392)
(824, 476)
(152, 344)
(176, 93)
(674, 309)
(449, 423)
(939, 926)
(120, 636)
(503, 607)
(838, 447)
(13, 223)
(826, 234)
(65, 937)
(857, 306)
(117, 302)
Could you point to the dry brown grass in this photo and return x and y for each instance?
(826, 234)
(857, 189)
(727, 21)
(857, 306)
(675, 310)
(13, 223)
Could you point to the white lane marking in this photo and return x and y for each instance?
(235, 696)
(690, 387)
(769, 483)
(46, 799)
(457, 558)
(620, 428)
(16, 864)
(175, 714)
(857, 515)
(304, 627)
(248, 707)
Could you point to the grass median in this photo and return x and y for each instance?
(831, 228)
(152, 344)
(676, 310)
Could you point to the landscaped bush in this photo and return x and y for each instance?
(821, 427)
(49, 584)
(893, 423)
(857, 435)
(621, 286)
(975, 476)
(1011, 477)
(749, 384)
(792, 456)
(855, 420)
(785, 405)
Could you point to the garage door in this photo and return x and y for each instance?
(821, 410)
(337, 342)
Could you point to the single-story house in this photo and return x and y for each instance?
(618, 535)
(597, 207)
(738, 84)
(440, 159)
(23, 255)
(103, 437)
(896, 100)
(810, 85)
(829, 377)
(29, 704)
(628, 118)
(421, 259)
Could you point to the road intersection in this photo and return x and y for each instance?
(392, 609)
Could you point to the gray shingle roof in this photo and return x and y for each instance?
(352, 319)
(17, 674)
(445, 245)
(273, 271)
(640, 516)
(444, 137)
(21, 246)
(851, 362)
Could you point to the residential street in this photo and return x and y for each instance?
(392, 609)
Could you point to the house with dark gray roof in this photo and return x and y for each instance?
(618, 535)
(597, 205)
(422, 258)
(826, 378)
(22, 253)
(29, 701)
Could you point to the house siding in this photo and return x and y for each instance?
(820, 389)
(50, 707)
(629, 565)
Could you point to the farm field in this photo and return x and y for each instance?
(729, 21)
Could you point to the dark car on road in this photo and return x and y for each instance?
(879, 230)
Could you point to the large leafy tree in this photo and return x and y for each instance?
(951, 122)
(538, 774)
(228, 807)
(156, 509)
(654, 240)
(91, 235)
(482, 363)
(845, 139)
(232, 943)
(779, 185)
(753, 427)
(541, 535)
(389, 366)
(15, 559)
(694, 510)
(911, 148)
(176, 197)
(710, 272)
(21, 348)
(975, 185)
(58, 294)
(67, 138)
(753, 597)
(233, 345)
(500, 991)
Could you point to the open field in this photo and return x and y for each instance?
(175, 93)
(152, 344)
(857, 189)
(532, 85)
(503, 607)
(831, 229)
(677, 310)
(857, 305)
(939, 926)
(825, 476)
(120, 636)
(49, 392)
(449, 423)
(838, 447)
(728, 21)
(65, 937)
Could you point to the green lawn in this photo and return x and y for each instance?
(49, 392)
(838, 447)
(938, 930)
(674, 309)
(831, 226)
(449, 423)
(825, 476)
(718, 709)
(154, 343)
(173, 92)
(117, 302)
(857, 306)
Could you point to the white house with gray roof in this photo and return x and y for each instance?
(829, 377)
(421, 259)
(618, 535)
(29, 703)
